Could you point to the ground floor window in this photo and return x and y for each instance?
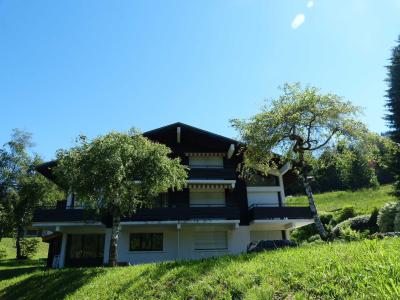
(85, 249)
(147, 241)
(211, 240)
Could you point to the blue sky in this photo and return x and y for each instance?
(71, 67)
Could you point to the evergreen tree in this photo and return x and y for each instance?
(393, 105)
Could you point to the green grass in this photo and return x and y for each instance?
(9, 245)
(367, 269)
(364, 201)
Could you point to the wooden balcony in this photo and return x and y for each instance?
(44, 215)
(185, 213)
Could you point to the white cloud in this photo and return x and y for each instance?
(298, 20)
(310, 4)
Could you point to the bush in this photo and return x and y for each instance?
(373, 221)
(3, 253)
(306, 232)
(326, 218)
(29, 247)
(386, 216)
(349, 234)
(346, 213)
(382, 235)
(314, 238)
(358, 224)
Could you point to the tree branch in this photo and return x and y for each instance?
(326, 142)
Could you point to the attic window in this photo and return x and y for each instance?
(206, 162)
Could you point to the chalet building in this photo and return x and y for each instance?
(217, 213)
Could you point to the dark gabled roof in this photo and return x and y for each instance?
(192, 128)
(167, 135)
(46, 169)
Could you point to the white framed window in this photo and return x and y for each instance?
(206, 162)
(262, 198)
(204, 198)
(146, 241)
(211, 240)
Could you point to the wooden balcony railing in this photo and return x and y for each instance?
(148, 214)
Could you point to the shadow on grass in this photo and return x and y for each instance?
(42, 283)
(11, 273)
(47, 284)
(172, 273)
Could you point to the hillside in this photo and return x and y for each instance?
(359, 270)
(363, 200)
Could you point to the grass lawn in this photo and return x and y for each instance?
(357, 270)
(9, 245)
(362, 200)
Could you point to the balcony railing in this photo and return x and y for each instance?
(185, 213)
(145, 214)
(265, 212)
(58, 214)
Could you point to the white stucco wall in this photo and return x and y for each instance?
(169, 251)
(238, 237)
(237, 241)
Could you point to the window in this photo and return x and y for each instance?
(146, 242)
(206, 162)
(212, 240)
(263, 198)
(204, 198)
(86, 245)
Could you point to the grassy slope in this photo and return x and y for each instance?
(9, 245)
(363, 200)
(358, 270)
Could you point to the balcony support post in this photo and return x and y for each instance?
(63, 250)
(178, 231)
(107, 241)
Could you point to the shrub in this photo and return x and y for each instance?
(359, 223)
(29, 247)
(314, 238)
(3, 253)
(396, 224)
(304, 233)
(373, 221)
(347, 212)
(349, 234)
(382, 235)
(326, 219)
(386, 216)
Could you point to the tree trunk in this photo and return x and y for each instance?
(307, 186)
(18, 238)
(314, 213)
(113, 256)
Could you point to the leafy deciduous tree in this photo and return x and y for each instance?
(298, 122)
(21, 187)
(119, 172)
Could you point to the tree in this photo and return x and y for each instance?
(119, 172)
(299, 122)
(393, 105)
(21, 187)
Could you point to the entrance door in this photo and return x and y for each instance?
(84, 250)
